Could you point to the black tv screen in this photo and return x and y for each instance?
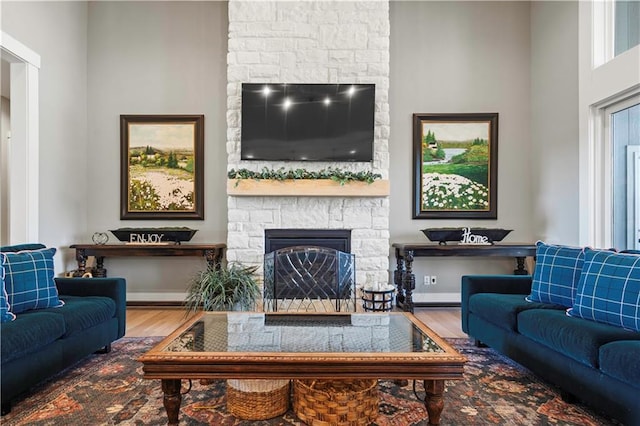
(307, 122)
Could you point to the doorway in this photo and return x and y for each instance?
(5, 134)
(20, 159)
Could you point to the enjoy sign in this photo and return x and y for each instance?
(145, 238)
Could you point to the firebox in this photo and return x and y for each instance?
(337, 239)
(309, 270)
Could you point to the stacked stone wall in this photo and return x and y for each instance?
(310, 42)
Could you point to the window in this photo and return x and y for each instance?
(609, 95)
(626, 25)
(615, 29)
(625, 141)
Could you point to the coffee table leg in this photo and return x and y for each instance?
(172, 399)
(433, 400)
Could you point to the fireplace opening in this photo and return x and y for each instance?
(337, 239)
(309, 270)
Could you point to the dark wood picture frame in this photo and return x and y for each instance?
(455, 166)
(162, 167)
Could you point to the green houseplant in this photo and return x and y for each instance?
(230, 287)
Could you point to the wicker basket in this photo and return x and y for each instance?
(257, 399)
(336, 402)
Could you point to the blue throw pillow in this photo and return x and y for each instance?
(609, 289)
(29, 280)
(5, 315)
(556, 274)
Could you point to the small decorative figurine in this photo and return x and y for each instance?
(100, 238)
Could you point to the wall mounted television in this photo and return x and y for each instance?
(307, 122)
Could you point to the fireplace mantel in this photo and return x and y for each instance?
(305, 188)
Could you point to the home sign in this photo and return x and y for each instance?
(469, 238)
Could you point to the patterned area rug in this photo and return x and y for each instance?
(108, 389)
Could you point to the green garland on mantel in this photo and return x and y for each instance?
(338, 175)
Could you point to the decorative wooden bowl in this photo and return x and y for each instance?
(154, 235)
(443, 235)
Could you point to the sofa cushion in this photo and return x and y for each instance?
(556, 274)
(576, 338)
(621, 360)
(81, 313)
(29, 280)
(503, 309)
(609, 289)
(5, 314)
(28, 333)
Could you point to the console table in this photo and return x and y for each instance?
(405, 280)
(211, 252)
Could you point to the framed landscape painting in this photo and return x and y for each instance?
(162, 166)
(455, 158)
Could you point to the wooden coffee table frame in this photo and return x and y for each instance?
(432, 368)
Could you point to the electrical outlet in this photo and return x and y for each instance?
(433, 280)
(426, 280)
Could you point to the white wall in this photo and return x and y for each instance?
(155, 58)
(455, 57)
(554, 121)
(170, 57)
(57, 31)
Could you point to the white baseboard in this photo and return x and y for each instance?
(436, 297)
(156, 297)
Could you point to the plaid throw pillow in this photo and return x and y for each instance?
(5, 315)
(556, 275)
(609, 289)
(29, 280)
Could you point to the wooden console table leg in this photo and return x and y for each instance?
(214, 258)
(398, 275)
(81, 258)
(433, 400)
(99, 271)
(520, 268)
(408, 281)
(172, 399)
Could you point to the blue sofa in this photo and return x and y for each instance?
(39, 343)
(596, 363)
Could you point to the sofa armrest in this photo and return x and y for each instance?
(115, 288)
(505, 284)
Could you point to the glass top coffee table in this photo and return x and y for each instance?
(252, 345)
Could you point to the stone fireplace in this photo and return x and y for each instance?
(310, 42)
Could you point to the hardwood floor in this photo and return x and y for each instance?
(444, 321)
(154, 321)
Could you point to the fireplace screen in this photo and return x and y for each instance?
(307, 278)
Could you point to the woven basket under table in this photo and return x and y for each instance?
(257, 399)
(348, 402)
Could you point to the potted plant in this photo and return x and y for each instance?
(230, 287)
